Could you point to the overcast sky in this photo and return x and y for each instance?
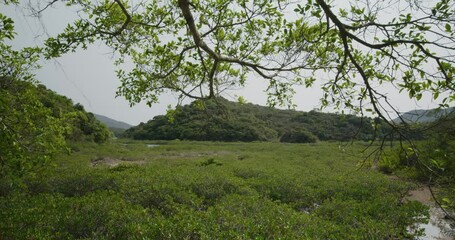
(88, 77)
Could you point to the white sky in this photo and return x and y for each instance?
(88, 77)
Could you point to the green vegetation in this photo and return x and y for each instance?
(29, 133)
(82, 125)
(35, 123)
(347, 48)
(429, 162)
(221, 120)
(213, 190)
(116, 127)
(208, 190)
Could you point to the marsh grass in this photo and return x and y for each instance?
(209, 190)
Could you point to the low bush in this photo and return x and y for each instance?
(287, 191)
(298, 136)
(99, 215)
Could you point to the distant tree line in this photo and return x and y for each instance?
(222, 120)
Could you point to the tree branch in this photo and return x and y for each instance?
(127, 21)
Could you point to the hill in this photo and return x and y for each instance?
(36, 124)
(116, 127)
(112, 123)
(222, 120)
(82, 124)
(424, 116)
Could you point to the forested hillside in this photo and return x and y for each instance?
(83, 126)
(222, 120)
(80, 125)
(36, 123)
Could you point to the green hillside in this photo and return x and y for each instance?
(79, 124)
(222, 120)
(83, 125)
(37, 123)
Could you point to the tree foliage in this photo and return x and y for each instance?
(82, 125)
(221, 120)
(199, 48)
(438, 152)
(37, 123)
(29, 135)
(298, 136)
(34, 121)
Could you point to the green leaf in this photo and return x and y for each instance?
(419, 96)
(435, 95)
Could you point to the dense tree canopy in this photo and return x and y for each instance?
(200, 48)
(29, 136)
(36, 123)
(222, 120)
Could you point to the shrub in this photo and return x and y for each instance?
(213, 187)
(100, 215)
(81, 183)
(298, 136)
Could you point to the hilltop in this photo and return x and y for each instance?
(424, 116)
(112, 123)
(116, 127)
(222, 120)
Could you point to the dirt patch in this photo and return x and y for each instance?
(421, 194)
(194, 154)
(113, 162)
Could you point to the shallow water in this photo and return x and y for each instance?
(438, 228)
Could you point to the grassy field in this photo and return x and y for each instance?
(209, 190)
